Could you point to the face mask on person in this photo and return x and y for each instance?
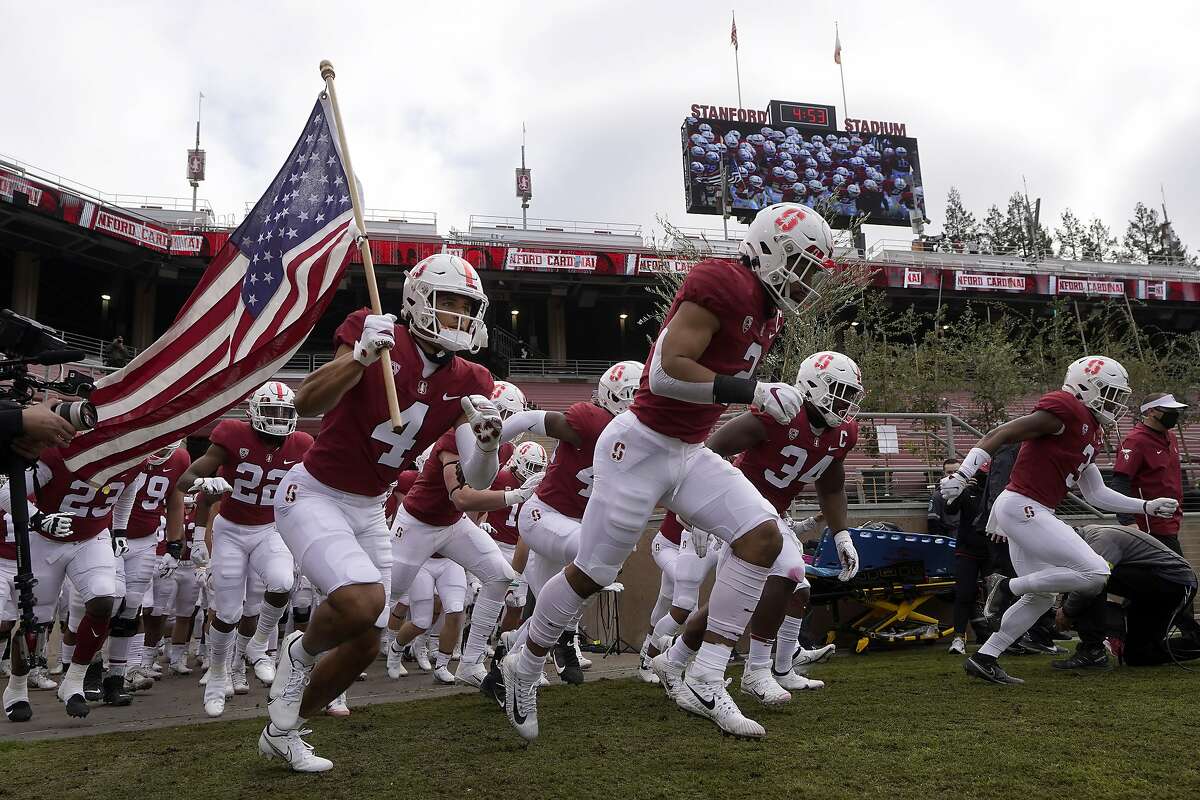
(1168, 417)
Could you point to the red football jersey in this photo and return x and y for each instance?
(404, 483)
(254, 466)
(1151, 460)
(151, 501)
(428, 500)
(671, 529)
(8, 546)
(356, 449)
(189, 533)
(504, 520)
(1047, 466)
(568, 482)
(92, 508)
(749, 324)
(792, 456)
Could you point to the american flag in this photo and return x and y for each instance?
(254, 306)
(733, 33)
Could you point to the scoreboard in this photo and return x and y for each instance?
(807, 116)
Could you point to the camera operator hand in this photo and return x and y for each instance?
(41, 428)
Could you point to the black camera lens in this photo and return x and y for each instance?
(81, 414)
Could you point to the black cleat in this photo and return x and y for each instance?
(93, 682)
(1036, 645)
(19, 711)
(999, 598)
(990, 672)
(77, 706)
(114, 691)
(566, 662)
(1086, 657)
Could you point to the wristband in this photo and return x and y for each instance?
(175, 549)
(728, 389)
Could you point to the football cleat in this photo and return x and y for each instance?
(999, 598)
(395, 662)
(16, 705)
(442, 675)
(958, 647)
(806, 658)
(113, 691)
(759, 684)
(338, 707)
(180, 667)
(469, 674)
(566, 664)
(138, 679)
(237, 676)
(991, 673)
(669, 675)
(520, 699)
(1094, 657)
(421, 653)
(93, 682)
(585, 663)
(39, 679)
(711, 699)
(795, 682)
(214, 695)
(289, 746)
(492, 686)
(645, 672)
(73, 698)
(287, 691)
(264, 669)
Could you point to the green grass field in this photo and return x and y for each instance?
(898, 725)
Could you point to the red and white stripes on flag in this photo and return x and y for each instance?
(837, 48)
(256, 303)
(733, 33)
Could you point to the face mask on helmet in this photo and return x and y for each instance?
(444, 304)
(794, 284)
(840, 404)
(1111, 404)
(528, 460)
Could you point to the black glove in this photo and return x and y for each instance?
(59, 526)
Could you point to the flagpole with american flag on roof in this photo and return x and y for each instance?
(736, 66)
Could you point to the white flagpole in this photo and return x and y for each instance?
(736, 65)
(837, 37)
(364, 247)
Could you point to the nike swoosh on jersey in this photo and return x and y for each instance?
(709, 704)
(446, 397)
(293, 461)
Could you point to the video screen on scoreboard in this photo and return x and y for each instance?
(875, 175)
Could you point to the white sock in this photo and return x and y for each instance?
(68, 653)
(680, 654)
(73, 679)
(667, 626)
(219, 645)
(148, 654)
(557, 608)
(118, 654)
(760, 654)
(18, 686)
(178, 652)
(488, 607)
(299, 652)
(1019, 618)
(710, 662)
(442, 659)
(529, 664)
(734, 596)
(786, 643)
(268, 623)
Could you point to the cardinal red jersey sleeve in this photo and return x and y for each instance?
(226, 435)
(350, 329)
(708, 288)
(1057, 403)
(771, 426)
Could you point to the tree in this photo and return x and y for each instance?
(1143, 237)
(1097, 242)
(1033, 241)
(960, 224)
(1069, 233)
(996, 232)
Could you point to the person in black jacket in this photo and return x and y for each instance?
(971, 557)
(29, 430)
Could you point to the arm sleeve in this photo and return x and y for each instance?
(1120, 483)
(478, 468)
(663, 385)
(125, 502)
(1095, 492)
(523, 422)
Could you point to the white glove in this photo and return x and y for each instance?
(952, 486)
(167, 564)
(487, 528)
(846, 554)
(379, 334)
(56, 525)
(699, 541)
(211, 486)
(515, 497)
(204, 578)
(799, 526)
(484, 420)
(1163, 507)
(199, 550)
(781, 400)
(120, 544)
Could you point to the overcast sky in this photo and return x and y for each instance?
(1094, 103)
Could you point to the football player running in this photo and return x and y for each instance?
(242, 467)
(330, 507)
(780, 459)
(1060, 439)
(528, 459)
(723, 320)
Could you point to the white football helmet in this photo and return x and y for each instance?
(273, 409)
(508, 399)
(1102, 385)
(161, 455)
(419, 461)
(788, 244)
(527, 460)
(833, 383)
(446, 274)
(618, 385)
(189, 501)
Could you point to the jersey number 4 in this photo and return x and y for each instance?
(399, 443)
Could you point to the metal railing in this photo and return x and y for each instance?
(306, 362)
(554, 225)
(546, 366)
(895, 251)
